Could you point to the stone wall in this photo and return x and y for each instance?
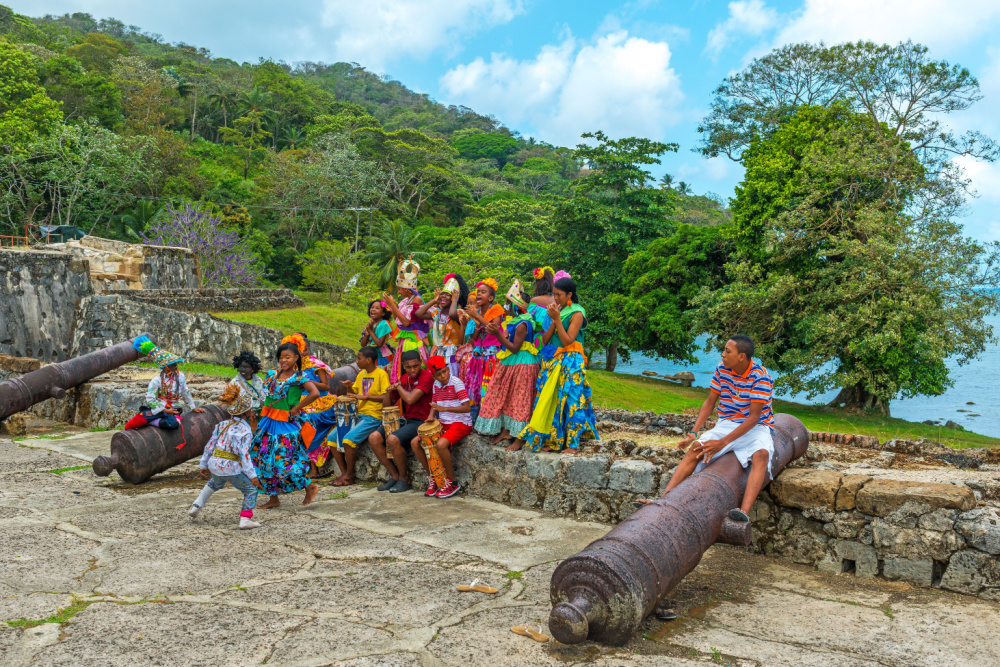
(925, 533)
(38, 294)
(106, 320)
(214, 300)
(116, 265)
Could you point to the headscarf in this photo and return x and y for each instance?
(436, 363)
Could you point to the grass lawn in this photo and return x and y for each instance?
(319, 319)
(342, 325)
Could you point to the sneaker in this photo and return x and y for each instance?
(432, 489)
(451, 487)
(247, 524)
(388, 484)
(400, 486)
(193, 512)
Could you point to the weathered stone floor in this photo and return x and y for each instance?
(121, 576)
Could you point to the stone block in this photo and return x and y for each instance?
(589, 471)
(881, 497)
(849, 487)
(918, 571)
(591, 508)
(541, 464)
(559, 501)
(633, 475)
(847, 528)
(523, 495)
(865, 560)
(981, 529)
(894, 541)
(971, 572)
(806, 488)
(941, 519)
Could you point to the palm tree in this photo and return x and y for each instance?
(394, 243)
(257, 99)
(666, 182)
(683, 188)
(292, 136)
(226, 100)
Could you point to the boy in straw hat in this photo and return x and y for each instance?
(227, 459)
(166, 392)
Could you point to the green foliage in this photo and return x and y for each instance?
(331, 266)
(247, 135)
(850, 272)
(96, 52)
(25, 110)
(83, 94)
(496, 147)
(394, 243)
(611, 216)
(656, 314)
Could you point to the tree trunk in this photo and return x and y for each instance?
(612, 359)
(858, 397)
(194, 114)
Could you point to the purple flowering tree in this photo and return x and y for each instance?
(224, 259)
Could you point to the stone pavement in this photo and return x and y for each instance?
(96, 572)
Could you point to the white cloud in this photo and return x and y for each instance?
(620, 84)
(939, 24)
(746, 17)
(380, 31)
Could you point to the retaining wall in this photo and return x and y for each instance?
(120, 265)
(106, 320)
(214, 300)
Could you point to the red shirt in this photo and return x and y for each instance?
(422, 408)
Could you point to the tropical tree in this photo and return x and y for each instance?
(394, 243)
(611, 215)
(333, 266)
(248, 136)
(25, 110)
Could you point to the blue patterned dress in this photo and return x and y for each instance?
(277, 450)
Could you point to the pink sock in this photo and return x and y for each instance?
(247, 514)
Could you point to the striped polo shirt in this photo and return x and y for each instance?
(737, 392)
(452, 395)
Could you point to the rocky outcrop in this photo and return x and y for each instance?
(129, 266)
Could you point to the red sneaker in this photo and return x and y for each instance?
(432, 489)
(451, 487)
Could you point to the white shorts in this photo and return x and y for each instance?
(758, 438)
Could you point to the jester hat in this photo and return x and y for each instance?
(514, 296)
(157, 355)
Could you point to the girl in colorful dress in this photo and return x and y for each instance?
(447, 331)
(508, 401)
(485, 345)
(247, 366)
(412, 329)
(563, 412)
(277, 451)
(378, 332)
(320, 414)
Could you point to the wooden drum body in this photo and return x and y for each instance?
(429, 432)
(391, 421)
(346, 409)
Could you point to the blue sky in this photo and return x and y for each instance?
(555, 69)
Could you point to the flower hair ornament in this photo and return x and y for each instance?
(299, 341)
(560, 274)
(539, 273)
(489, 282)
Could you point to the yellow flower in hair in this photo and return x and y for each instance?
(299, 341)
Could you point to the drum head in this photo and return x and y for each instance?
(427, 428)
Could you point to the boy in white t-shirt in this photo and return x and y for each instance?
(451, 406)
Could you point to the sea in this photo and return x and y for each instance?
(971, 401)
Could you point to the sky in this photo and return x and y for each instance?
(555, 69)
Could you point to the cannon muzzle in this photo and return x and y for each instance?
(604, 592)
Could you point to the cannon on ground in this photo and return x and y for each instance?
(138, 454)
(604, 592)
(52, 380)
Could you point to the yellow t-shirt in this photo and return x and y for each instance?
(376, 382)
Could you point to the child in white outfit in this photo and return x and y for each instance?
(226, 457)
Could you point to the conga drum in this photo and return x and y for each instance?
(391, 422)
(346, 410)
(429, 432)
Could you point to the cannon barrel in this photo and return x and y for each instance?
(138, 454)
(52, 380)
(604, 592)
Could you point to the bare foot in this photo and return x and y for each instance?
(516, 445)
(500, 438)
(311, 492)
(343, 481)
(271, 503)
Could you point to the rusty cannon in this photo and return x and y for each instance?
(138, 454)
(604, 592)
(52, 380)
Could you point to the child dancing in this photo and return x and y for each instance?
(227, 459)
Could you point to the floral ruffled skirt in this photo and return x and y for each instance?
(564, 411)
